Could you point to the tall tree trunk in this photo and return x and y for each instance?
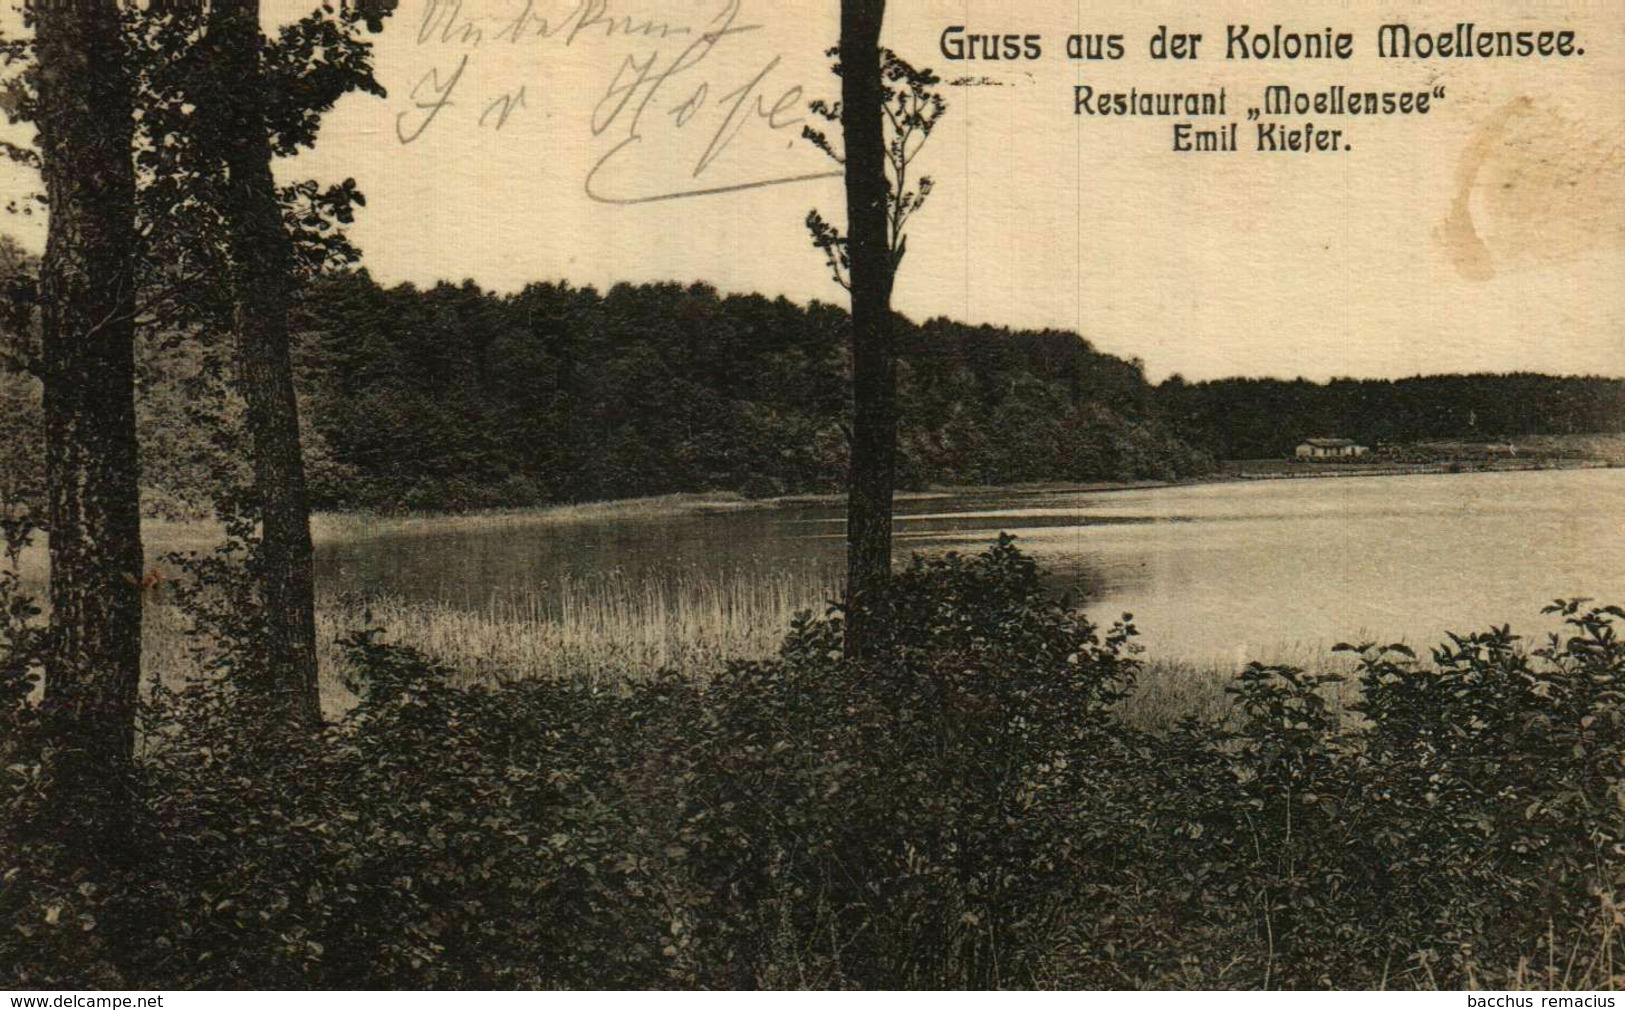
(874, 369)
(262, 286)
(86, 128)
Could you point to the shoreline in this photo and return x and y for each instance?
(165, 535)
(1323, 471)
(330, 527)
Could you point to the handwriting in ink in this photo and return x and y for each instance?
(428, 108)
(639, 81)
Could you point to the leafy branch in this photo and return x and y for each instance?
(912, 107)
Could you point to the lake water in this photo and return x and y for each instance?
(1212, 573)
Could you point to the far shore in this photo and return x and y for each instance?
(166, 535)
(339, 527)
(330, 527)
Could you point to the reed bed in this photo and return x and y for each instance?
(609, 627)
(603, 627)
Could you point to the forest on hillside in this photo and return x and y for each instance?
(451, 398)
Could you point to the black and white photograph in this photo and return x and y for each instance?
(817, 495)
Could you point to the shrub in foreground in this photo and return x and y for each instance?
(966, 808)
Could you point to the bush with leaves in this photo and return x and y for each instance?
(1472, 814)
(1497, 783)
(907, 819)
(52, 910)
(965, 807)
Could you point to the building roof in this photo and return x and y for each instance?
(1328, 443)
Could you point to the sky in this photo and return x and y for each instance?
(527, 140)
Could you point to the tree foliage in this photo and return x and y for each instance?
(310, 64)
(1259, 418)
(911, 107)
(452, 397)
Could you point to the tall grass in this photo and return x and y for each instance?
(609, 627)
(603, 627)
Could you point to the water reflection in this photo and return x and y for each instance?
(1212, 572)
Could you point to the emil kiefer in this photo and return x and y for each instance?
(1272, 138)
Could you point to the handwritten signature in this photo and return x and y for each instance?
(446, 22)
(649, 92)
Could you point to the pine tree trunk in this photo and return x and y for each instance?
(93, 673)
(874, 368)
(262, 283)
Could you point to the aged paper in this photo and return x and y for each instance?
(1496, 202)
(480, 509)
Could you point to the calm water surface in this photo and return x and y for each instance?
(1214, 572)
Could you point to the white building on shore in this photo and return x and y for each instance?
(1329, 448)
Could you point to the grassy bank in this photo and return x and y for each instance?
(602, 629)
(340, 526)
(1288, 470)
(1000, 797)
(607, 629)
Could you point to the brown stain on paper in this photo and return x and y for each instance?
(1548, 191)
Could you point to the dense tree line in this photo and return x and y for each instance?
(452, 397)
(1260, 418)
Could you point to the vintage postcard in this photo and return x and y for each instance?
(688, 494)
